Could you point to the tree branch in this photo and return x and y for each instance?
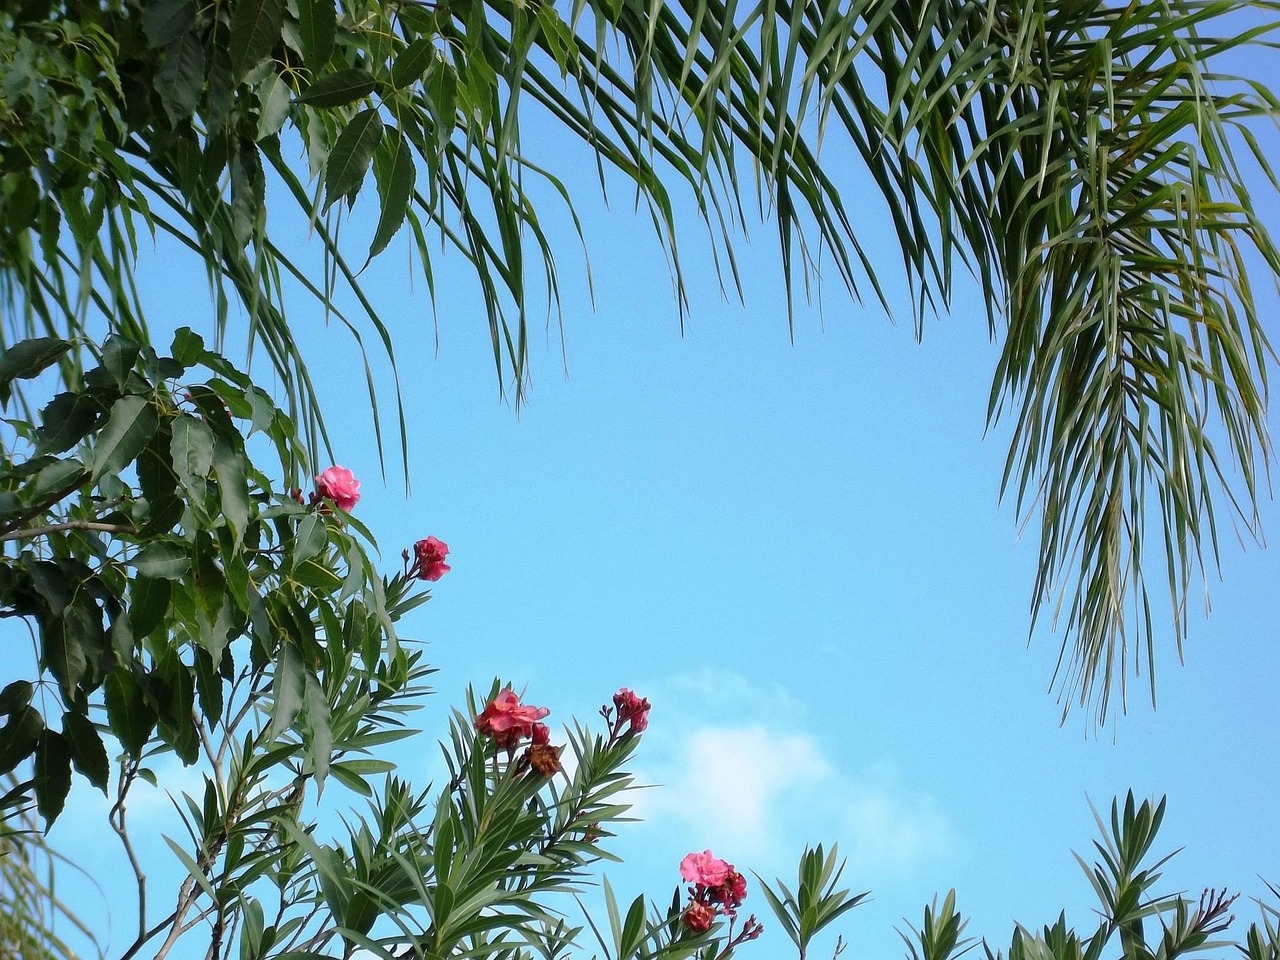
(32, 532)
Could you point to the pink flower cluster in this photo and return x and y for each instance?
(715, 888)
(632, 709)
(508, 721)
(339, 485)
(428, 559)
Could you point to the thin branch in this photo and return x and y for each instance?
(35, 511)
(128, 771)
(32, 532)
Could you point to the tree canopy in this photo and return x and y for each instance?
(1078, 159)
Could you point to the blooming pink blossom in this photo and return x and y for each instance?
(428, 562)
(541, 733)
(339, 485)
(509, 721)
(632, 708)
(730, 892)
(704, 869)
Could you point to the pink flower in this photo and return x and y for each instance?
(541, 734)
(339, 485)
(509, 721)
(632, 707)
(698, 917)
(705, 869)
(428, 562)
(730, 892)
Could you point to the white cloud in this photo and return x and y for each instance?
(759, 793)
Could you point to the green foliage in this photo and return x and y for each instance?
(157, 564)
(1076, 158)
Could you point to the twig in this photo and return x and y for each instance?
(18, 521)
(128, 772)
(32, 532)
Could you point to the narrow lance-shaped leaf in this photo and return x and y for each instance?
(394, 172)
(349, 159)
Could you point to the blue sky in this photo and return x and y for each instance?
(796, 551)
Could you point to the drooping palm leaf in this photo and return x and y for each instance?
(1076, 157)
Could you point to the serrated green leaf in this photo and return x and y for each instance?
(86, 748)
(129, 426)
(317, 27)
(339, 89)
(394, 172)
(273, 107)
(180, 79)
(411, 64)
(349, 159)
(255, 28)
(164, 21)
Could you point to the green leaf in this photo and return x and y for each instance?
(53, 775)
(411, 65)
(15, 696)
(273, 107)
(118, 358)
(66, 420)
(191, 451)
(349, 160)
(180, 79)
(148, 603)
(63, 651)
(320, 742)
(208, 686)
(87, 752)
(26, 359)
(229, 467)
(287, 689)
(164, 21)
(317, 27)
(339, 89)
(130, 425)
(310, 539)
(19, 736)
(159, 485)
(394, 172)
(56, 480)
(163, 560)
(193, 869)
(129, 715)
(312, 574)
(187, 347)
(255, 28)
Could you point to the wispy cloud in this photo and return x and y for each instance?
(761, 792)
